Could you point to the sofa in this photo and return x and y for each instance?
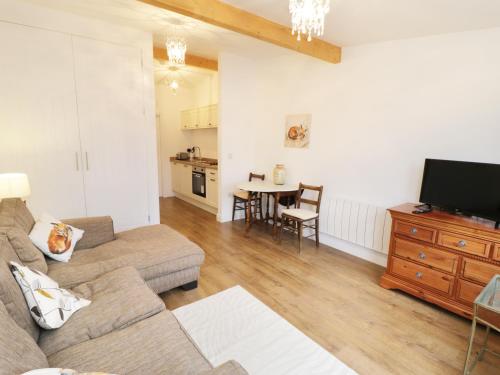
(127, 328)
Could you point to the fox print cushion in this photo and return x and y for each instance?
(55, 239)
(50, 306)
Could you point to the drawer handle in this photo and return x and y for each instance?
(422, 255)
(462, 243)
(413, 230)
(419, 275)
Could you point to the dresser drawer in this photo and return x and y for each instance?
(426, 255)
(415, 231)
(496, 252)
(479, 271)
(467, 291)
(422, 275)
(466, 244)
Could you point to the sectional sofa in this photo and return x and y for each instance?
(126, 329)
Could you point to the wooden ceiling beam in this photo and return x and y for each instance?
(191, 60)
(226, 16)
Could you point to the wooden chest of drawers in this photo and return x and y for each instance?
(442, 258)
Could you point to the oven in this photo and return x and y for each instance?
(199, 180)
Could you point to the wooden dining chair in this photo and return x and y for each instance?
(298, 218)
(241, 199)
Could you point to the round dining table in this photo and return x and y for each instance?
(277, 191)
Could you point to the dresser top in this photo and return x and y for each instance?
(446, 217)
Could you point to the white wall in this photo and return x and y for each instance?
(23, 13)
(375, 117)
(202, 91)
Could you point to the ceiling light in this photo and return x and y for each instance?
(176, 50)
(174, 86)
(308, 17)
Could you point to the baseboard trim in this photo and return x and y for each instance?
(354, 249)
(212, 210)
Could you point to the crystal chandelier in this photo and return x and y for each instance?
(308, 17)
(176, 50)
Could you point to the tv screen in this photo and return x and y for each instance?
(472, 188)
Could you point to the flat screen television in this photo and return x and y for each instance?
(470, 188)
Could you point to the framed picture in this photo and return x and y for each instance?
(297, 130)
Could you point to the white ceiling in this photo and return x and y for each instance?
(203, 39)
(353, 22)
(350, 22)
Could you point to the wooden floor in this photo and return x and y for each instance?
(332, 297)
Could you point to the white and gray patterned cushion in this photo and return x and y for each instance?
(50, 306)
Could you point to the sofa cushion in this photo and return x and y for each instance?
(119, 299)
(50, 306)
(10, 292)
(98, 230)
(28, 254)
(154, 251)
(14, 213)
(55, 239)
(153, 346)
(18, 351)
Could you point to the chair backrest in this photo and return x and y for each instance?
(252, 175)
(300, 199)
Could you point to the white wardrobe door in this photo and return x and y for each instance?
(109, 81)
(38, 121)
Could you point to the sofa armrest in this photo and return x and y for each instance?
(227, 368)
(98, 230)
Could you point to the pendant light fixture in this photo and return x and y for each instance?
(308, 17)
(176, 50)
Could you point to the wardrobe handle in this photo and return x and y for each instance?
(76, 160)
(87, 159)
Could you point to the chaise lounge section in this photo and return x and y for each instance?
(163, 257)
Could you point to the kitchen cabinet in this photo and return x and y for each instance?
(213, 116)
(200, 118)
(203, 117)
(186, 179)
(189, 119)
(182, 184)
(176, 169)
(182, 178)
(212, 188)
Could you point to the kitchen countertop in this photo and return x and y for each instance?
(203, 162)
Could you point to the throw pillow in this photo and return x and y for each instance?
(50, 306)
(61, 371)
(27, 252)
(54, 238)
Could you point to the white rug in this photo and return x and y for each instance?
(233, 324)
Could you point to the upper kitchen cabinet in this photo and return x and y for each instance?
(200, 118)
(189, 119)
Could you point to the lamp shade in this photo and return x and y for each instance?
(14, 185)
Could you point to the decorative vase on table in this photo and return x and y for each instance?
(279, 174)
